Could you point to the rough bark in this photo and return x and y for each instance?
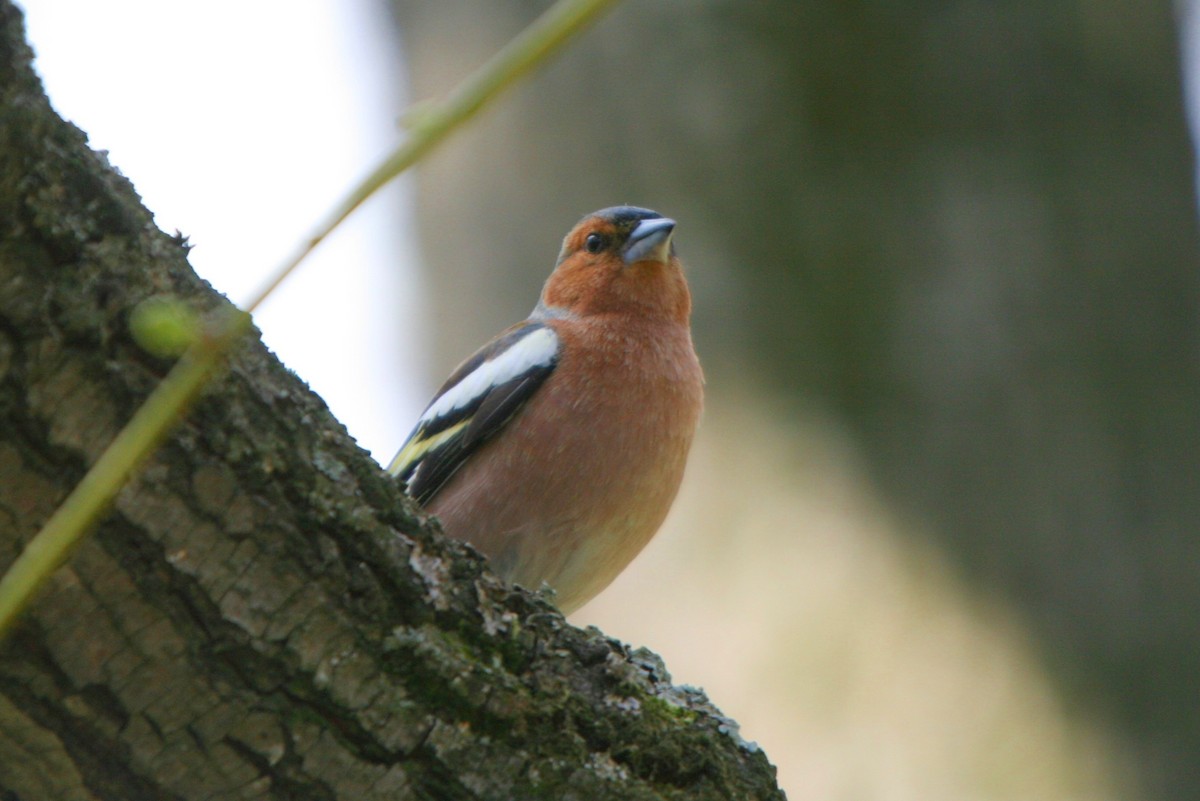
(262, 615)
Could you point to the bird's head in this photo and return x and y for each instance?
(619, 260)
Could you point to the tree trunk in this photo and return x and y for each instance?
(262, 615)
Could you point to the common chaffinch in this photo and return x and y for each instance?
(558, 447)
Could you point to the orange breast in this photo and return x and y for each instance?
(581, 479)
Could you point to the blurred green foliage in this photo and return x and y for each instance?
(967, 229)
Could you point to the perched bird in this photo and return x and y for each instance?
(558, 447)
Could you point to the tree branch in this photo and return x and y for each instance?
(263, 615)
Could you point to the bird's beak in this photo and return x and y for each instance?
(650, 241)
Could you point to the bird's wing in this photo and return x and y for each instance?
(475, 403)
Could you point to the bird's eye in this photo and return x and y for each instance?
(595, 243)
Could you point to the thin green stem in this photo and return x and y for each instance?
(171, 399)
(91, 497)
(430, 126)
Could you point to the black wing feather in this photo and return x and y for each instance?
(481, 419)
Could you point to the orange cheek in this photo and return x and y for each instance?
(577, 283)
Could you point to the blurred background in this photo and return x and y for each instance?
(940, 535)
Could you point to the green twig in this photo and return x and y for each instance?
(430, 124)
(169, 401)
